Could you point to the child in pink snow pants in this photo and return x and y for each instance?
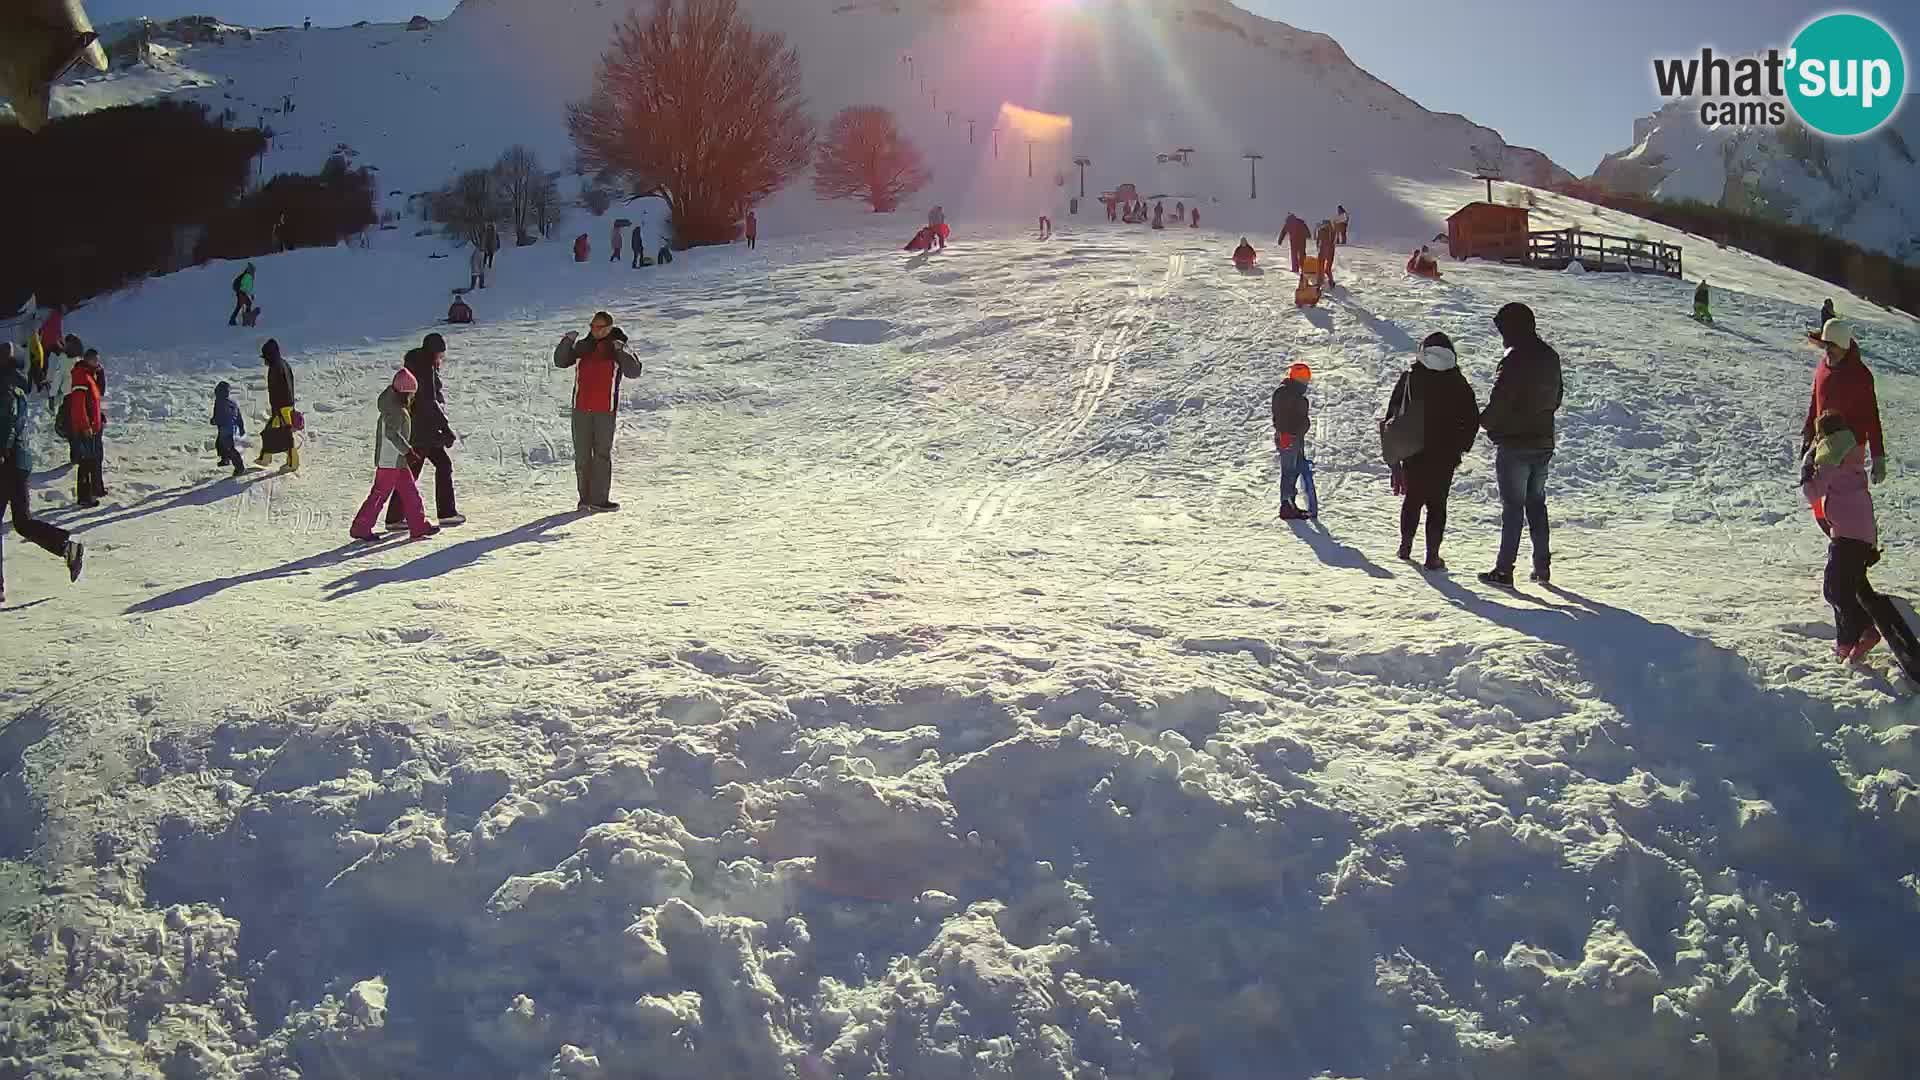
(392, 446)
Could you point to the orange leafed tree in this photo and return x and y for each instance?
(691, 104)
(865, 157)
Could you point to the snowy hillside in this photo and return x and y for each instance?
(1137, 79)
(947, 701)
(1866, 191)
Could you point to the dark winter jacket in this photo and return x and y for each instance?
(14, 443)
(430, 430)
(639, 240)
(1527, 389)
(279, 378)
(1847, 390)
(226, 414)
(1451, 413)
(1290, 412)
(602, 364)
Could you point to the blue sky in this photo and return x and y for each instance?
(1564, 76)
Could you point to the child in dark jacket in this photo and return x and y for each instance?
(1835, 482)
(229, 426)
(1290, 423)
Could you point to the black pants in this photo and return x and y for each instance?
(1427, 486)
(241, 302)
(87, 483)
(751, 242)
(229, 453)
(442, 486)
(489, 262)
(1847, 588)
(636, 258)
(50, 537)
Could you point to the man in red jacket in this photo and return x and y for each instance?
(599, 363)
(1843, 384)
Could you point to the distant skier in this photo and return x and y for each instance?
(753, 230)
(1325, 237)
(392, 456)
(277, 436)
(1449, 423)
(1834, 479)
(1294, 235)
(600, 362)
(459, 312)
(1340, 225)
(937, 221)
(1842, 383)
(1527, 392)
(619, 231)
(476, 269)
(242, 295)
(1291, 420)
(1701, 312)
(430, 436)
(16, 466)
(228, 426)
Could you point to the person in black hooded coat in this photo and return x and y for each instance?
(1451, 422)
(277, 436)
(431, 437)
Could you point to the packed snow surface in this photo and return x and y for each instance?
(946, 700)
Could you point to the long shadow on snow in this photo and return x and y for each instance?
(1334, 553)
(204, 493)
(1694, 709)
(448, 559)
(1386, 330)
(193, 594)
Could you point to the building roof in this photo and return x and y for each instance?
(1480, 206)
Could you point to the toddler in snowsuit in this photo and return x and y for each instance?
(1290, 422)
(393, 453)
(1834, 478)
(229, 426)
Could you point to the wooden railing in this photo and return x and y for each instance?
(1553, 249)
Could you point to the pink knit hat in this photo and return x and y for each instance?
(404, 381)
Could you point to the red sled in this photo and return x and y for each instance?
(922, 240)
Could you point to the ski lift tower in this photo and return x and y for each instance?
(1489, 177)
(1253, 172)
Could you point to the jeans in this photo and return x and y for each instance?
(1290, 459)
(1522, 476)
(442, 485)
(593, 455)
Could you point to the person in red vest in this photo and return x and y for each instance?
(1843, 384)
(753, 230)
(599, 363)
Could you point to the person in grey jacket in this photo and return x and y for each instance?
(1527, 392)
(599, 363)
(394, 460)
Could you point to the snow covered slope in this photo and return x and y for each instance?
(1138, 79)
(1866, 190)
(947, 700)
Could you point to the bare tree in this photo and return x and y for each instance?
(692, 105)
(543, 206)
(518, 174)
(468, 205)
(865, 157)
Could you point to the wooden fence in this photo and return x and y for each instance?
(1553, 249)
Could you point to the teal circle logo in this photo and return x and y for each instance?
(1846, 75)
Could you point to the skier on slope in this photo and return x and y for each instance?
(429, 436)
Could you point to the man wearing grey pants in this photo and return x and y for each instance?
(599, 362)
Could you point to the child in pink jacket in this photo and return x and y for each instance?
(1835, 482)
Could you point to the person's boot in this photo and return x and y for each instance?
(263, 459)
(293, 461)
(1406, 549)
(1500, 578)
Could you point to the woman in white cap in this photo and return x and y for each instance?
(1842, 384)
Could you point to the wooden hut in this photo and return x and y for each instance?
(1487, 230)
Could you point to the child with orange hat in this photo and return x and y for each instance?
(1291, 417)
